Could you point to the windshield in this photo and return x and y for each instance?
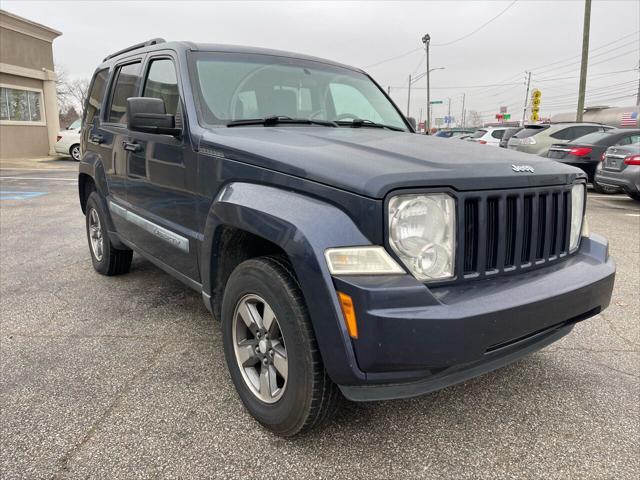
(75, 125)
(478, 133)
(232, 87)
(530, 131)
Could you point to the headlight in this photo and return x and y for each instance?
(577, 213)
(422, 234)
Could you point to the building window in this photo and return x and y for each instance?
(21, 106)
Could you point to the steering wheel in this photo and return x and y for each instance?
(344, 116)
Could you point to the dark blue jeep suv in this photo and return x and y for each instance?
(344, 254)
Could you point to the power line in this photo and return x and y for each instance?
(394, 58)
(477, 29)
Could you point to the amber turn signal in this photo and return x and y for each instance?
(349, 314)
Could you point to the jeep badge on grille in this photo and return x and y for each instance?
(522, 168)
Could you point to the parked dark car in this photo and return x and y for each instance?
(342, 253)
(510, 132)
(586, 152)
(620, 168)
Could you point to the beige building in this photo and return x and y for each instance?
(28, 104)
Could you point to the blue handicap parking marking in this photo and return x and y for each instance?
(15, 195)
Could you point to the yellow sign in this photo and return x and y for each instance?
(535, 117)
(535, 109)
(536, 94)
(536, 101)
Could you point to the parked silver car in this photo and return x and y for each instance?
(538, 138)
(620, 168)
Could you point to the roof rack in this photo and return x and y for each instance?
(153, 41)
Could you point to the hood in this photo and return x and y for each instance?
(372, 162)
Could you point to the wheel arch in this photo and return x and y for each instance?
(269, 219)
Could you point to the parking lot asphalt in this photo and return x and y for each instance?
(124, 377)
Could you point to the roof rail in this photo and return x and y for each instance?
(153, 41)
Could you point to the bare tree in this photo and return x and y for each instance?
(475, 119)
(71, 93)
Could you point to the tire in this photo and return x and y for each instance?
(74, 151)
(106, 259)
(307, 397)
(603, 189)
(635, 196)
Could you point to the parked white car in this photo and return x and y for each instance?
(68, 142)
(488, 136)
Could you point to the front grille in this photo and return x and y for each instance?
(510, 230)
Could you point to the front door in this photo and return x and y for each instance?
(161, 175)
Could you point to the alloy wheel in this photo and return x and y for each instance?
(95, 235)
(259, 348)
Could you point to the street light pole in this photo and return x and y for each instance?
(426, 39)
(409, 97)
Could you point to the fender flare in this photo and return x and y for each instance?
(304, 227)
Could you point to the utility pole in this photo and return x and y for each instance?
(449, 114)
(426, 39)
(638, 96)
(409, 97)
(526, 99)
(462, 114)
(585, 59)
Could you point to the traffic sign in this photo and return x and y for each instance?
(506, 116)
(435, 102)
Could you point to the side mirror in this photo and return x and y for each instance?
(148, 115)
(412, 122)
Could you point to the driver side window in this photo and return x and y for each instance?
(349, 101)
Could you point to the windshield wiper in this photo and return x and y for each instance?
(359, 122)
(280, 120)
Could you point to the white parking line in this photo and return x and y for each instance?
(632, 214)
(610, 197)
(40, 178)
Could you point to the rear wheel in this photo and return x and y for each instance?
(271, 350)
(106, 259)
(74, 151)
(635, 196)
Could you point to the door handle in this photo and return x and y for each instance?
(96, 138)
(132, 146)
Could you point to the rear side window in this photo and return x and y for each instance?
(497, 134)
(584, 130)
(161, 82)
(126, 85)
(96, 95)
(564, 134)
(478, 133)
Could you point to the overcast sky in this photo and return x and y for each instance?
(529, 35)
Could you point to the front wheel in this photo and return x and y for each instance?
(271, 350)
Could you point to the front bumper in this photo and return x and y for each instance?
(414, 339)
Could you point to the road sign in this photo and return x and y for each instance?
(435, 102)
(503, 109)
(439, 121)
(506, 116)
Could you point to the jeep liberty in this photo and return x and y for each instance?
(344, 254)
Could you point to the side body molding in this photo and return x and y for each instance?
(303, 227)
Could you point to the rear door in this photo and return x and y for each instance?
(161, 173)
